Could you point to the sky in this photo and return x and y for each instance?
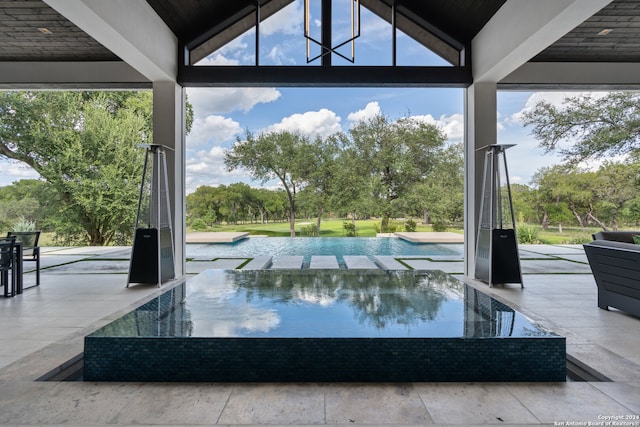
(222, 115)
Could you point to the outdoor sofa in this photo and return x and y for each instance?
(615, 262)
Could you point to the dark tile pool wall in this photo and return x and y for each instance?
(324, 359)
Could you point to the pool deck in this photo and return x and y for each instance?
(430, 237)
(84, 288)
(216, 237)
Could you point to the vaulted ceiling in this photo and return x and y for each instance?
(33, 31)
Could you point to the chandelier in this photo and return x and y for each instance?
(326, 23)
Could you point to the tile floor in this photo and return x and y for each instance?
(84, 288)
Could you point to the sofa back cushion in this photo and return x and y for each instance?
(615, 245)
(616, 236)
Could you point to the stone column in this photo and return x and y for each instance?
(169, 130)
(481, 118)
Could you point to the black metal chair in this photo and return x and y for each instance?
(30, 248)
(7, 264)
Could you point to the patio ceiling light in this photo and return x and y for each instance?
(45, 30)
(355, 32)
(605, 32)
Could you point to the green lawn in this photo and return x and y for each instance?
(328, 228)
(366, 228)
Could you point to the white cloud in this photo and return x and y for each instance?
(208, 101)
(216, 129)
(12, 171)
(371, 110)
(207, 168)
(218, 59)
(312, 123)
(278, 56)
(286, 21)
(452, 126)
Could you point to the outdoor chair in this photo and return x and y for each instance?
(8, 263)
(30, 248)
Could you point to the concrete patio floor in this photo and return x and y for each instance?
(84, 288)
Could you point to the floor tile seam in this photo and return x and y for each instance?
(424, 404)
(226, 403)
(510, 392)
(613, 399)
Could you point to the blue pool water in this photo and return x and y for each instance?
(307, 246)
(338, 325)
(325, 304)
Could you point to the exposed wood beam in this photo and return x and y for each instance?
(523, 28)
(130, 29)
(311, 76)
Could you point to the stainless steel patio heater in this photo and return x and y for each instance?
(497, 258)
(152, 255)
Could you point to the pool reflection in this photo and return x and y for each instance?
(314, 304)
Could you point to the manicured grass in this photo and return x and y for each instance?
(569, 235)
(366, 228)
(328, 228)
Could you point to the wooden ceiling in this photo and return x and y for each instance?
(584, 44)
(195, 21)
(22, 23)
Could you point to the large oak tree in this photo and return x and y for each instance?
(84, 144)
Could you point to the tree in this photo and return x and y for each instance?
(397, 155)
(600, 126)
(319, 171)
(439, 198)
(21, 201)
(590, 196)
(275, 155)
(203, 206)
(84, 145)
(616, 184)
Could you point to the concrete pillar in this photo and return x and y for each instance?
(169, 130)
(481, 116)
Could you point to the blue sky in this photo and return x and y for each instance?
(324, 111)
(223, 114)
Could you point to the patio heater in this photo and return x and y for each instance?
(152, 253)
(497, 259)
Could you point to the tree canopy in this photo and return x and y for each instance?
(371, 170)
(594, 126)
(84, 145)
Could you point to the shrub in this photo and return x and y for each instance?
(349, 229)
(439, 226)
(528, 233)
(310, 230)
(199, 225)
(410, 225)
(581, 240)
(391, 227)
(23, 224)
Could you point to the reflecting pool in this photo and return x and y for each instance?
(339, 325)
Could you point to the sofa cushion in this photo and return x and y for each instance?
(616, 236)
(615, 245)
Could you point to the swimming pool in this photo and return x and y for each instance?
(338, 325)
(308, 246)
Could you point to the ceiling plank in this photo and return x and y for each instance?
(130, 29)
(521, 29)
